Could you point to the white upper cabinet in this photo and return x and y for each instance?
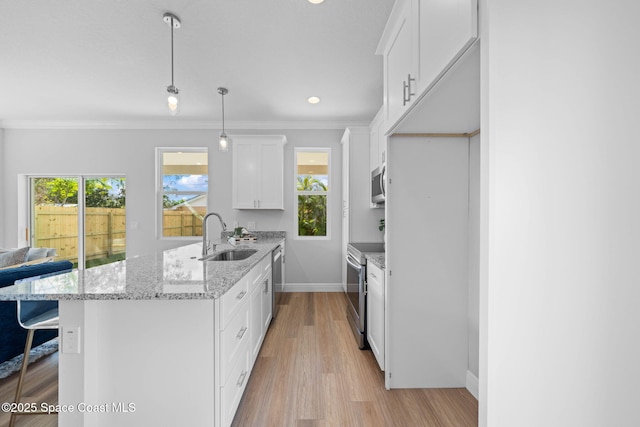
(258, 168)
(421, 41)
(447, 28)
(399, 47)
(377, 141)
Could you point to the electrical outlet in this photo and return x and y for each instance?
(71, 340)
(251, 225)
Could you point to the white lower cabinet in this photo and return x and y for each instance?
(234, 339)
(256, 322)
(245, 315)
(375, 312)
(231, 392)
(261, 303)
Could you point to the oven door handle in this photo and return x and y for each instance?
(353, 263)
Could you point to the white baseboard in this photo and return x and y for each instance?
(313, 287)
(473, 384)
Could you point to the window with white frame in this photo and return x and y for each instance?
(183, 185)
(80, 218)
(312, 190)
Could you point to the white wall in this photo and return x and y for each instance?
(473, 315)
(132, 152)
(561, 101)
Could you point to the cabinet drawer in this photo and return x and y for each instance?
(257, 273)
(265, 264)
(231, 392)
(232, 339)
(374, 273)
(231, 301)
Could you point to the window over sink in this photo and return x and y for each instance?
(312, 190)
(183, 186)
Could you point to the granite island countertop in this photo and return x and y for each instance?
(170, 274)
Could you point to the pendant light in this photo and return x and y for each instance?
(173, 94)
(223, 141)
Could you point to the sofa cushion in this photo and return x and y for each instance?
(10, 275)
(13, 257)
(37, 253)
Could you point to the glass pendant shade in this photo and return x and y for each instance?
(173, 100)
(223, 142)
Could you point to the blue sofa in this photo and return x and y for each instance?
(12, 335)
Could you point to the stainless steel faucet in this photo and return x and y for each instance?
(205, 242)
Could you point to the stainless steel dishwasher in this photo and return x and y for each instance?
(277, 257)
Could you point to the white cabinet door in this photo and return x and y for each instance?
(258, 171)
(375, 312)
(256, 328)
(267, 301)
(261, 304)
(231, 392)
(447, 28)
(246, 163)
(374, 137)
(377, 141)
(271, 183)
(401, 60)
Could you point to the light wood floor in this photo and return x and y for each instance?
(311, 373)
(308, 373)
(40, 385)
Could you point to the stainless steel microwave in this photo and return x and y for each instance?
(378, 184)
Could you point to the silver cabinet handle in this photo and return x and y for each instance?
(243, 375)
(407, 93)
(405, 86)
(241, 295)
(241, 332)
(410, 93)
(266, 286)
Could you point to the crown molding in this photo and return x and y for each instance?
(175, 125)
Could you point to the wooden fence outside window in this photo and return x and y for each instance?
(105, 230)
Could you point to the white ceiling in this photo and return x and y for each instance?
(107, 62)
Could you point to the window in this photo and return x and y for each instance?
(183, 183)
(312, 192)
(82, 217)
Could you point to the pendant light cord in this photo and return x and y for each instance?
(172, 51)
(222, 113)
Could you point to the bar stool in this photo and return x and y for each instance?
(33, 315)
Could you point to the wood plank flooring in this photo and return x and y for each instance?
(311, 373)
(40, 385)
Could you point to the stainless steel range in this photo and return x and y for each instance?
(356, 288)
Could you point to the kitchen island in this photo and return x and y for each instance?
(163, 339)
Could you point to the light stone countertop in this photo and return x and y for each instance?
(377, 258)
(171, 274)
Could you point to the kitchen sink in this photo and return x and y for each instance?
(230, 255)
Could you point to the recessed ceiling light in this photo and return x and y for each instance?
(316, 1)
(313, 99)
